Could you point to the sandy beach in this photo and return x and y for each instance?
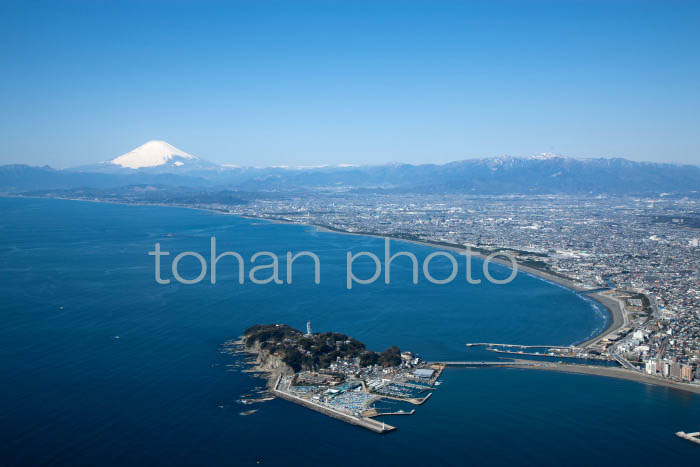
(613, 372)
(618, 317)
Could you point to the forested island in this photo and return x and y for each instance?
(337, 375)
(314, 352)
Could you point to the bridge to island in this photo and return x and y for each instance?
(487, 363)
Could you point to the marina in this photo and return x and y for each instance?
(551, 351)
(352, 418)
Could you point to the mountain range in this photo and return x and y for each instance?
(159, 163)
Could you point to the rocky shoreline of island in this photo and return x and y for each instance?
(336, 375)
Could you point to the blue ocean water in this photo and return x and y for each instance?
(75, 275)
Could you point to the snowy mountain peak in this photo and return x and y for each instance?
(546, 156)
(152, 154)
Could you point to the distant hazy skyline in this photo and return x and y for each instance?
(309, 83)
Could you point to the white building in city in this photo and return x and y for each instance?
(651, 367)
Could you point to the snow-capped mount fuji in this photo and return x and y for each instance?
(152, 154)
(154, 157)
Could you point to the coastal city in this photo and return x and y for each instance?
(418, 233)
(643, 250)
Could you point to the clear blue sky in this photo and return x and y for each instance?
(302, 83)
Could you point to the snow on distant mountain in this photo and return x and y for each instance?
(152, 154)
(158, 161)
(154, 157)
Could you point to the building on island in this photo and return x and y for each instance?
(423, 373)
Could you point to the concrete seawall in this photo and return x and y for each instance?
(363, 422)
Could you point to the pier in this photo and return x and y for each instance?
(375, 413)
(410, 400)
(520, 346)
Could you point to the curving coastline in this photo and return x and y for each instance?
(616, 313)
(614, 307)
(617, 316)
